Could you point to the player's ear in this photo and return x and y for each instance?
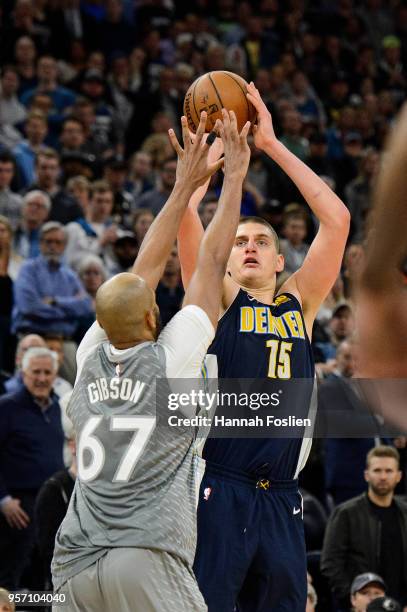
(151, 321)
(280, 263)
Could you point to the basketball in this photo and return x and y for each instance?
(216, 90)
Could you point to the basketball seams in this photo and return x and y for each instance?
(216, 89)
(193, 102)
(243, 91)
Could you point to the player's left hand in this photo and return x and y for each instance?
(263, 130)
(194, 166)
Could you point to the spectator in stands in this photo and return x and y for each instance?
(156, 198)
(366, 588)
(63, 207)
(341, 327)
(115, 173)
(208, 208)
(369, 532)
(293, 246)
(92, 273)
(157, 144)
(47, 73)
(358, 192)
(10, 203)
(142, 219)
(312, 598)
(80, 189)
(51, 505)
(72, 138)
(292, 134)
(391, 71)
(94, 231)
(124, 252)
(32, 443)
(16, 383)
(36, 208)
(25, 55)
(6, 292)
(56, 344)
(169, 291)
(140, 177)
(384, 604)
(36, 128)
(5, 601)
(12, 112)
(99, 132)
(49, 296)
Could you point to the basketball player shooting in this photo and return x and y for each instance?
(249, 520)
(128, 540)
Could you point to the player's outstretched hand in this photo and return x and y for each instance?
(236, 149)
(193, 163)
(264, 135)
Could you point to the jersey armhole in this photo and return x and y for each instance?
(238, 294)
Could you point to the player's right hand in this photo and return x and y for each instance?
(14, 514)
(193, 165)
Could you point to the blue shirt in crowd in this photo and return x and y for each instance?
(38, 278)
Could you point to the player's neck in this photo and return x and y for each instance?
(262, 294)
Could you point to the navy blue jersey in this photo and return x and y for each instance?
(256, 340)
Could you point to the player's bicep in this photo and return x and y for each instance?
(185, 340)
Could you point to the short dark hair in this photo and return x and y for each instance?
(261, 221)
(383, 451)
(7, 158)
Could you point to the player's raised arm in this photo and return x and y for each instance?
(205, 288)
(382, 296)
(313, 281)
(193, 170)
(191, 231)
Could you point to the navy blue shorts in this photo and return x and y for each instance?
(251, 550)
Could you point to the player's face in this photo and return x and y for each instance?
(362, 598)
(382, 475)
(254, 260)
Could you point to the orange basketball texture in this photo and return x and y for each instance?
(216, 90)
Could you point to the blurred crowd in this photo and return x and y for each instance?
(88, 91)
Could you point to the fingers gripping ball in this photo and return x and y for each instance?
(216, 90)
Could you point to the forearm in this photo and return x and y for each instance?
(220, 234)
(160, 238)
(328, 208)
(387, 249)
(190, 236)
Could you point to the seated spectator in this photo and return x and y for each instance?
(6, 292)
(56, 344)
(358, 192)
(157, 144)
(384, 604)
(115, 173)
(5, 601)
(292, 134)
(317, 157)
(93, 232)
(92, 274)
(169, 291)
(142, 219)
(49, 296)
(10, 203)
(306, 100)
(207, 208)
(47, 73)
(72, 138)
(140, 177)
(156, 198)
(24, 56)
(312, 598)
(99, 133)
(124, 252)
(25, 153)
(51, 506)
(292, 246)
(369, 532)
(364, 589)
(36, 208)
(80, 189)
(341, 327)
(16, 382)
(31, 439)
(63, 207)
(12, 112)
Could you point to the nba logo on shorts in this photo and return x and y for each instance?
(207, 492)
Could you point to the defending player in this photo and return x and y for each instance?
(249, 519)
(382, 299)
(128, 540)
